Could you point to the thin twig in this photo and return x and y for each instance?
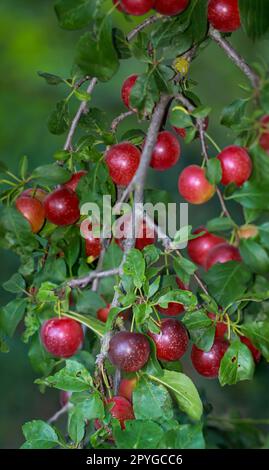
(235, 57)
(59, 413)
(149, 21)
(84, 281)
(82, 108)
(119, 119)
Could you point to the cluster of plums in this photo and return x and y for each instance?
(222, 14)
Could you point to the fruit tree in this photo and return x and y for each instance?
(116, 320)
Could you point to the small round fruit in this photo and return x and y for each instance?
(123, 161)
(166, 152)
(171, 7)
(93, 245)
(193, 185)
(181, 131)
(199, 248)
(208, 363)
(236, 165)
(254, 351)
(62, 337)
(127, 89)
(247, 231)
(127, 387)
(172, 341)
(222, 254)
(136, 7)
(32, 210)
(121, 410)
(264, 138)
(62, 207)
(224, 15)
(129, 351)
(102, 313)
(221, 327)
(36, 193)
(74, 180)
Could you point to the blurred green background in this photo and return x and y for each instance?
(30, 40)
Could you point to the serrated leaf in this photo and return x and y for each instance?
(135, 266)
(39, 435)
(59, 119)
(258, 333)
(184, 391)
(227, 281)
(214, 171)
(219, 224)
(97, 56)
(237, 364)
(138, 434)
(151, 400)
(50, 174)
(16, 284)
(50, 78)
(74, 14)
(74, 377)
(254, 255)
(11, 315)
(201, 329)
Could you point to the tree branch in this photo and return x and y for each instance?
(82, 108)
(84, 281)
(119, 119)
(59, 413)
(235, 57)
(149, 21)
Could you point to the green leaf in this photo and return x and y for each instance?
(74, 377)
(139, 434)
(184, 268)
(227, 281)
(89, 302)
(97, 56)
(135, 266)
(59, 119)
(151, 400)
(237, 364)
(74, 14)
(232, 115)
(219, 224)
(214, 171)
(190, 437)
(82, 95)
(11, 315)
(184, 297)
(201, 112)
(144, 93)
(86, 407)
(254, 256)
(142, 313)
(251, 196)
(201, 329)
(16, 232)
(179, 117)
(46, 292)
(258, 333)
(184, 391)
(50, 78)
(254, 17)
(121, 44)
(50, 174)
(41, 361)
(16, 284)
(92, 323)
(23, 166)
(39, 435)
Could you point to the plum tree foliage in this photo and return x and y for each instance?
(95, 312)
